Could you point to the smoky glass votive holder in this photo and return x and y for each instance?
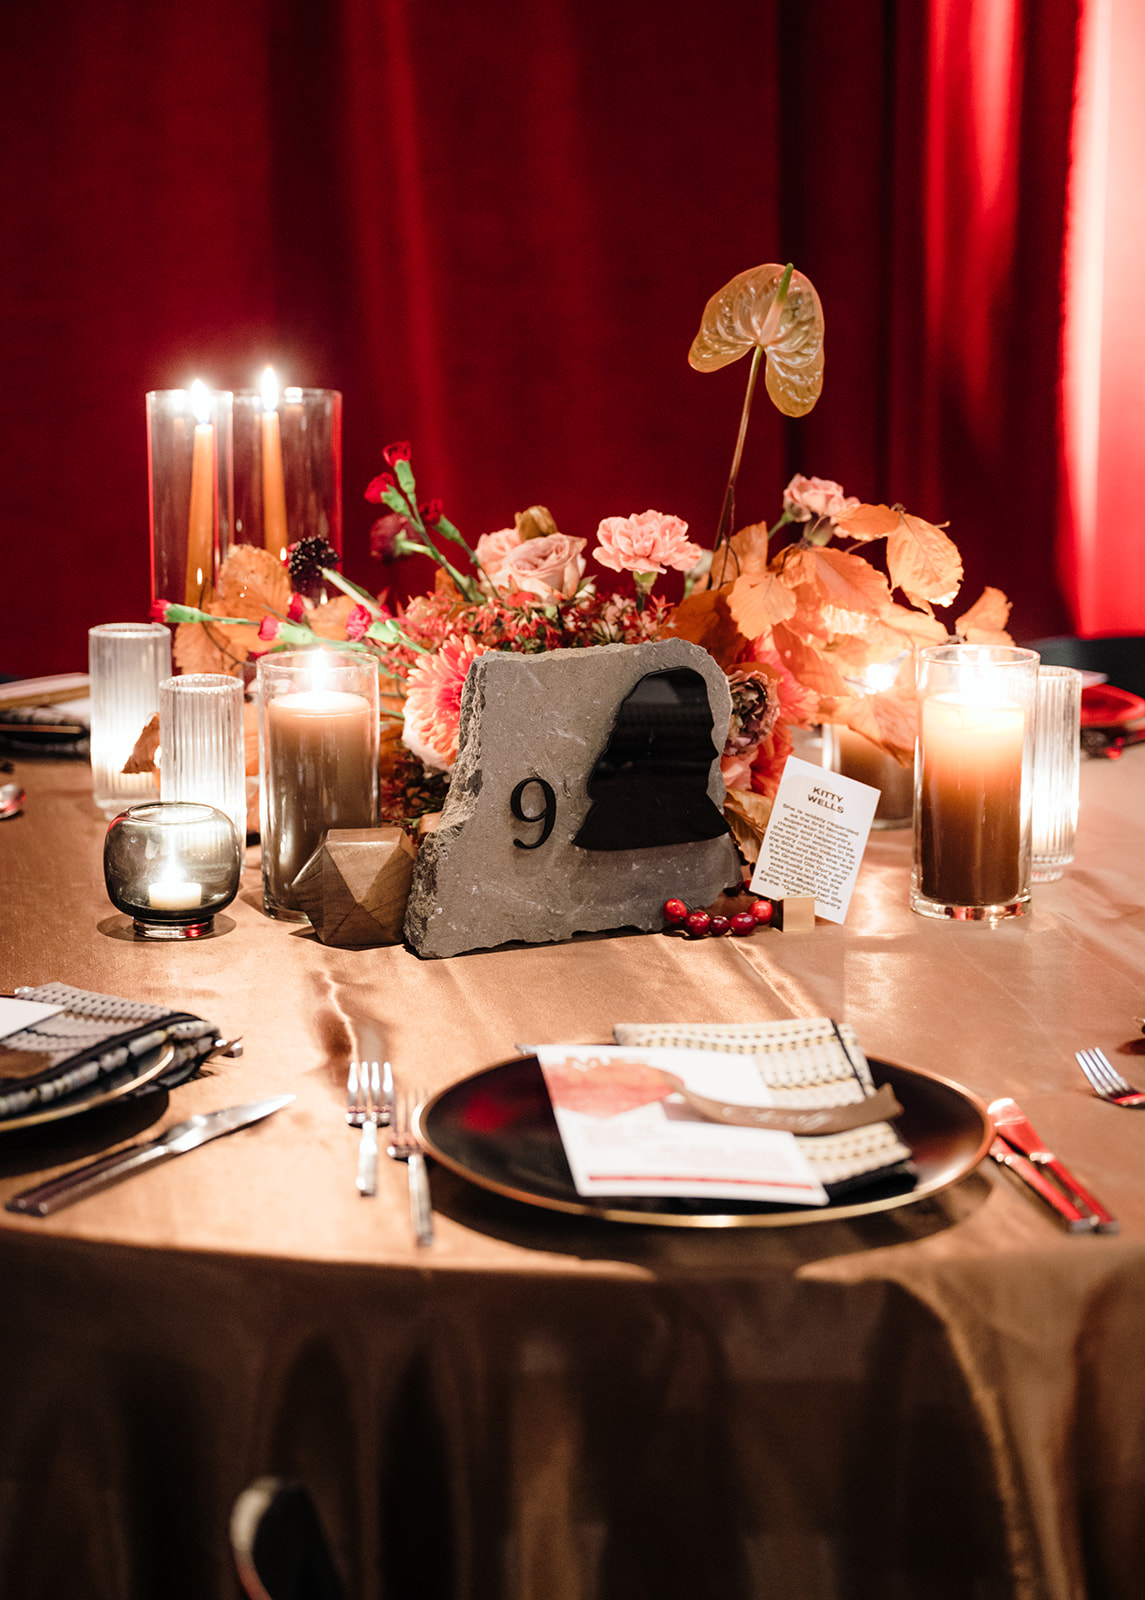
(172, 867)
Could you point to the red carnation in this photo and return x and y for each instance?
(296, 610)
(357, 623)
(376, 490)
(393, 453)
(268, 629)
(159, 610)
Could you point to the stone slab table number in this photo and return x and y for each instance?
(587, 791)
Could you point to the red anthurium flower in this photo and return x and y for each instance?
(393, 453)
(268, 629)
(296, 610)
(357, 623)
(377, 487)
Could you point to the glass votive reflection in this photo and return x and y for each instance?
(126, 663)
(288, 466)
(201, 743)
(854, 756)
(171, 867)
(1057, 771)
(317, 759)
(973, 782)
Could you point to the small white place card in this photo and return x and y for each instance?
(17, 1014)
(626, 1132)
(816, 837)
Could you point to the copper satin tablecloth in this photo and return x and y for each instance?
(946, 1400)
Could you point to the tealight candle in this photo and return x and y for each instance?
(972, 810)
(318, 760)
(171, 895)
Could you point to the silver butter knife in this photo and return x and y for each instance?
(1018, 1131)
(175, 1141)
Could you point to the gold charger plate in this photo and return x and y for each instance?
(105, 1089)
(497, 1129)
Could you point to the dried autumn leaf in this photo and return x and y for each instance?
(747, 815)
(757, 603)
(985, 622)
(869, 522)
(849, 589)
(142, 757)
(252, 581)
(744, 314)
(329, 620)
(212, 647)
(704, 619)
(808, 663)
(914, 627)
(747, 552)
(888, 719)
(923, 562)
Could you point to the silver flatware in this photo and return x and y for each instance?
(368, 1098)
(174, 1141)
(1106, 1081)
(1012, 1124)
(404, 1146)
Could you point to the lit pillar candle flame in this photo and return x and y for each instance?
(274, 532)
(201, 522)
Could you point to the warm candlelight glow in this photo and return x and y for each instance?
(172, 894)
(971, 799)
(201, 522)
(274, 531)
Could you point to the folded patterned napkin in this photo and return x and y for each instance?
(94, 1036)
(804, 1062)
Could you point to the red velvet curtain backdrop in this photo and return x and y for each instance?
(495, 226)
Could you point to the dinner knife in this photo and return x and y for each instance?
(1018, 1131)
(175, 1141)
(1076, 1221)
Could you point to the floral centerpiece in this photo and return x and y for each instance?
(794, 613)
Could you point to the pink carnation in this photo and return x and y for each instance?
(492, 549)
(805, 498)
(650, 542)
(433, 701)
(551, 568)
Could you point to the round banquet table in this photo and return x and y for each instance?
(942, 1400)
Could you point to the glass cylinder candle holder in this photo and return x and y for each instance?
(974, 782)
(172, 867)
(1057, 771)
(126, 662)
(190, 483)
(201, 743)
(288, 467)
(849, 753)
(317, 758)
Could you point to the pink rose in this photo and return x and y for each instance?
(805, 498)
(650, 542)
(492, 548)
(551, 568)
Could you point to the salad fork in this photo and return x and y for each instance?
(1106, 1081)
(367, 1104)
(403, 1146)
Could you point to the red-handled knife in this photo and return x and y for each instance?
(1018, 1131)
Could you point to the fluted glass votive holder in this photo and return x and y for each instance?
(172, 867)
(853, 755)
(201, 743)
(1057, 771)
(317, 759)
(973, 782)
(288, 467)
(190, 484)
(126, 662)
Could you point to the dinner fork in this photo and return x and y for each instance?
(403, 1146)
(367, 1101)
(1107, 1081)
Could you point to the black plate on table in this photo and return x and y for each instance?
(497, 1129)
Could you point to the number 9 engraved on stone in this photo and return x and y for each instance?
(546, 817)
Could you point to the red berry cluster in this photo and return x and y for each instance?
(705, 924)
